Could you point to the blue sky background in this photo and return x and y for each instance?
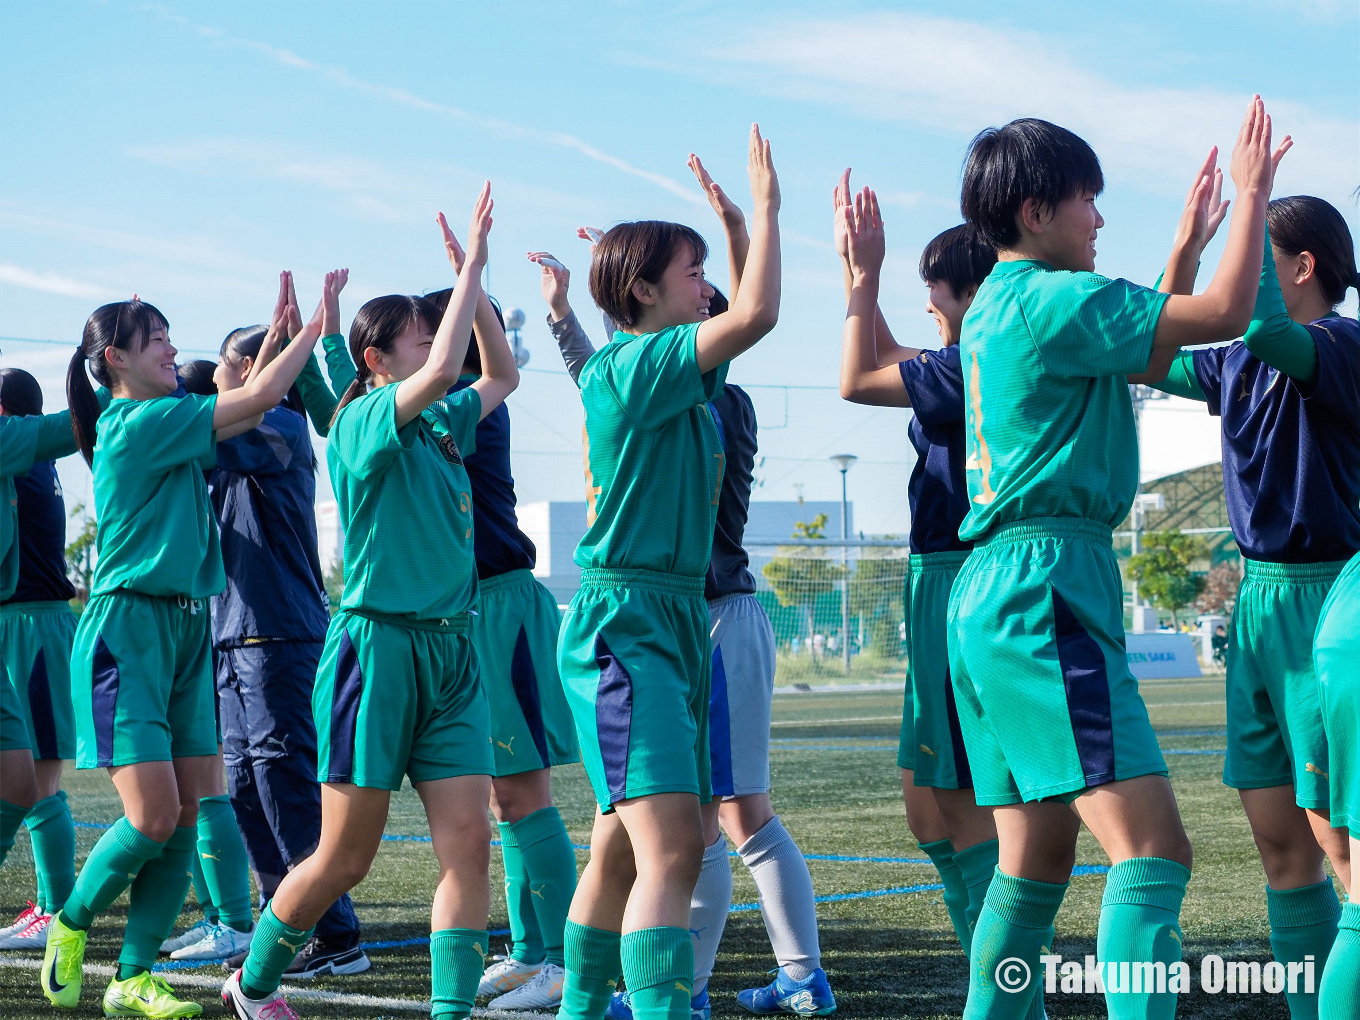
(188, 152)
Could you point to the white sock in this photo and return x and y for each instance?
(708, 909)
(785, 886)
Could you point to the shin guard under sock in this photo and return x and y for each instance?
(1339, 991)
(550, 869)
(1303, 923)
(658, 968)
(156, 898)
(594, 965)
(1009, 936)
(525, 937)
(112, 866)
(53, 834)
(457, 956)
(941, 854)
(708, 908)
(787, 903)
(223, 858)
(1140, 922)
(977, 865)
(272, 949)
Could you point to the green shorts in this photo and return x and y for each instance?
(35, 652)
(1275, 732)
(396, 697)
(13, 732)
(1041, 678)
(142, 680)
(1336, 656)
(515, 632)
(635, 662)
(932, 741)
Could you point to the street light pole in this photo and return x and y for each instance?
(843, 462)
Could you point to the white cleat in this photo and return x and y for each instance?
(25, 918)
(505, 975)
(33, 936)
(186, 938)
(271, 1007)
(542, 991)
(220, 942)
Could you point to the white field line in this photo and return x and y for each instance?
(294, 993)
(824, 722)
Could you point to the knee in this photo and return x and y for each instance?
(678, 859)
(157, 826)
(347, 873)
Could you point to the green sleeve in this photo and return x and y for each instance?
(316, 396)
(1181, 381)
(1273, 336)
(338, 364)
(55, 438)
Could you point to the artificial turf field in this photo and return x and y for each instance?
(887, 944)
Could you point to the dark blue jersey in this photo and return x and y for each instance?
(264, 491)
(42, 537)
(736, 421)
(1291, 450)
(938, 490)
(497, 542)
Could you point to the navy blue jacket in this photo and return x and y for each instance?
(938, 490)
(728, 567)
(42, 537)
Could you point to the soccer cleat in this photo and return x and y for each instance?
(620, 1008)
(32, 937)
(148, 995)
(62, 964)
(542, 991)
(322, 956)
(272, 1007)
(809, 997)
(220, 942)
(25, 918)
(506, 974)
(186, 938)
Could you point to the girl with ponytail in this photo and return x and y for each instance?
(141, 669)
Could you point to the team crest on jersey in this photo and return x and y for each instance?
(450, 450)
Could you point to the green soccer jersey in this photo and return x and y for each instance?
(653, 457)
(1049, 420)
(406, 504)
(24, 441)
(157, 530)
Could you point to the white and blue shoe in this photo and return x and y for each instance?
(809, 997)
(620, 1009)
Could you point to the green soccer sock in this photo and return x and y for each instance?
(156, 898)
(11, 817)
(223, 858)
(54, 850)
(941, 854)
(112, 866)
(550, 863)
(1015, 922)
(272, 949)
(205, 900)
(658, 968)
(1140, 921)
(526, 939)
(977, 865)
(594, 965)
(1303, 923)
(1339, 990)
(457, 956)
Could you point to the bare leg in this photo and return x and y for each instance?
(604, 886)
(18, 782)
(48, 773)
(965, 822)
(1334, 843)
(923, 816)
(1289, 851)
(462, 843)
(666, 833)
(518, 796)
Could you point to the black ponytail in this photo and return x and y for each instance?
(379, 323)
(1303, 223)
(115, 325)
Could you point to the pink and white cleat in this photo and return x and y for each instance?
(272, 1007)
(32, 936)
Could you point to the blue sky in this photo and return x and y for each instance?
(188, 152)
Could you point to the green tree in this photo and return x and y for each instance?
(800, 575)
(876, 595)
(1164, 571)
(80, 553)
(334, 580)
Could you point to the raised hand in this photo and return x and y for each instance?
(330, 301)
(728, 211)
(479, 227)
(840, 203)
(592, 234)
(866, 244)
(553, 282)
(294, 321)
(1278, 155)
(760, 169)
(452, 248)
(1204, 209)
(1252, 169)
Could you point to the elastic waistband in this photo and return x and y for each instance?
(1294, 573)
(947, 560)
(729, 598)
(486, 585)
(184, 602)
(456, 624)
(670, 584)
(35, 608)
(1048, 527)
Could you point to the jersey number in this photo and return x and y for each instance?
(717, 489)
(592, 490)
(981, 458)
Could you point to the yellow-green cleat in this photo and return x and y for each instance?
(62, 963)
(146, 995)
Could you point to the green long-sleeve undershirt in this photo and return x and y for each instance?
(1273, 336)
(317, 397)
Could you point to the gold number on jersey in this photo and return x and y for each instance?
(592, 490)
(465, 505)
(722, 466)
(981, 457)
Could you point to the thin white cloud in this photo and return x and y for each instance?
(49, 283)
(957, 77)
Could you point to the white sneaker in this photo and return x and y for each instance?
(220, 941)
(25, 918)
(186, 938)
(271, 1007)
(34, 936)
(505, 975)
(542, 991)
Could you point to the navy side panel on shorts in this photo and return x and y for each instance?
(525, 681)
(720, 731)
(962, 772)
(104, 701)
(613, 718)
(1088, 694)
(40, 709)
(349, 689)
